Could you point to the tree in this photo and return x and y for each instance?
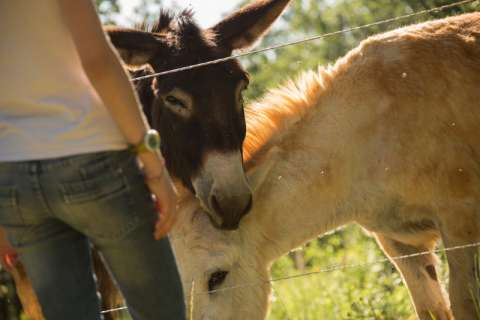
(107, 9)
(313, 17)
(146, 12)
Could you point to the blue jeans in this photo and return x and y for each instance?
(53, 209)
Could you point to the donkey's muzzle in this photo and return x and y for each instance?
(223, 189)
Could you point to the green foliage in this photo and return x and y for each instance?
(370, 292)
(477, 279)
(107, 9)
(147, 11)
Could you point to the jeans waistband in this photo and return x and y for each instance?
(35, 166)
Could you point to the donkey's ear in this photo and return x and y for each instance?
(136, 47)
(243, 28)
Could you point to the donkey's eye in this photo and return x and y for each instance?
(216, 279)
(242, 86)
(172, 100)
(179, 102)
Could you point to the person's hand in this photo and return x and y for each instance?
(159, 183)
(166, 200)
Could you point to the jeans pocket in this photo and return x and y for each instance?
(9, 213)
(104, 186)
(104, 208)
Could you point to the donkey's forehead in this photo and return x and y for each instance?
(229, 68)
(194, 227)
(222, 75)
(234, 69)
(226, 73)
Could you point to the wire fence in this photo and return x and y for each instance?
(331, 268)
(327, 269)
(305, 40)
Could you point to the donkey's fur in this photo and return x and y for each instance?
(386, 138)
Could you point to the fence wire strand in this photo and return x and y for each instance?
(331, 268)
(304, 40)
(347, 266)
(115, 310)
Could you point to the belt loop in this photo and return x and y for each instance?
(34, 168)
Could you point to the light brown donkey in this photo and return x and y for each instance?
(389, 138)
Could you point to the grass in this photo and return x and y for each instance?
(376, 292)
(373, 292)
(477, 278)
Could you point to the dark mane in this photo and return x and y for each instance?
(164, 22)
(181, 28)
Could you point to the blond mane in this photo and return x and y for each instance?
(270, 118)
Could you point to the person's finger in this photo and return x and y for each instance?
(164, 229)
(165, 225)
(9, 260)
(165, 203)
(167, 219)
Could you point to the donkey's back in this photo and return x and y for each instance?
(415, 93)
(414, 98)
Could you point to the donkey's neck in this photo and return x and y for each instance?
(274, 117)
(304, 193)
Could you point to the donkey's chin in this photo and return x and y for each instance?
(216, 224)
(229, 219)
(214, 218)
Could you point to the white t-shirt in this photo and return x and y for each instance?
(48, 108)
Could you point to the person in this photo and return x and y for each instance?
(69, 177)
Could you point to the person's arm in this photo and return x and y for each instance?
(107, 75)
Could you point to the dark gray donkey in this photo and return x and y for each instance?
(199, 113)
